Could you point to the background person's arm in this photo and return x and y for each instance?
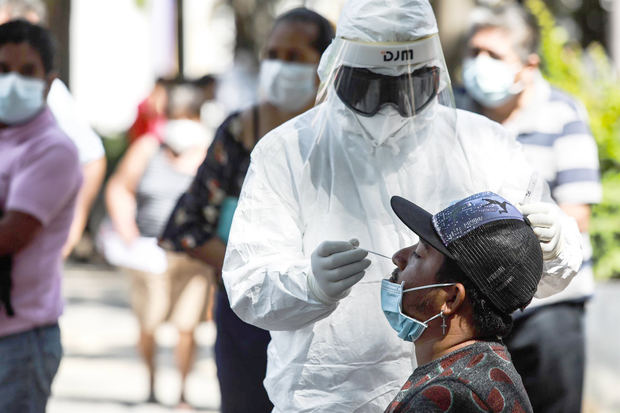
(90, 150)
(581, 213)
(211, 253)
(577, 181)
(193, 223)
(120, 192)
(93, 173)
(46, 185)
(17, 229)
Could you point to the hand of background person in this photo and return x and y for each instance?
(128, 233)
(336, 267)
(544, 218)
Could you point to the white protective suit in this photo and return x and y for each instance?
(319, 177)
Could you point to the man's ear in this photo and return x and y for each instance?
(49, 78)
(530, 68)
(454, 299)
(533, 61)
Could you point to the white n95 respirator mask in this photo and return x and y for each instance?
(490, 82)
(21, 97)
(288, 86)
(385, 124)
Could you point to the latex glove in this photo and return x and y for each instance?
(545, 220)
(336, 267)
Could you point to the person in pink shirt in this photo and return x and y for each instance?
(39, 181)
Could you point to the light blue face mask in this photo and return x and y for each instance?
(489, 81)
(409, 329)
(21, 97)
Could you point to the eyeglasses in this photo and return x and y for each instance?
(366, 92)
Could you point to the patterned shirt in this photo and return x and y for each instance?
(476, 378)
(196, 215)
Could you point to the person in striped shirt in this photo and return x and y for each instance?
(502, 81)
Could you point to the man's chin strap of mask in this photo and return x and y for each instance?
(443, 322)
(6, 284)
(443, 318)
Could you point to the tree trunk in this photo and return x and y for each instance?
(180, 40)
(253, 21)
(59, 18)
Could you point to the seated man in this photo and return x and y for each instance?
(477, 261)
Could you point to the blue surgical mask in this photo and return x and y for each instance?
(489, 81)
(21, 97)
(409, 329)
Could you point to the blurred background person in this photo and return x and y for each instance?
(212, 112)
(39, 182)
(151, 113)
(71, 121)
(503, 82)
(139, 197)
(200, 222)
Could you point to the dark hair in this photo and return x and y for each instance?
(517, 21)
(165, 81)
(204, 81)
(39, 38)
(304, 15)
(489, 321)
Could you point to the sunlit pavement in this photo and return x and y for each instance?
(602, 385)
(102, 371)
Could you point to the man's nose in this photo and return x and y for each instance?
(401, 257)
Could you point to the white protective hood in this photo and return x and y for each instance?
(383, 21)
(317, 178)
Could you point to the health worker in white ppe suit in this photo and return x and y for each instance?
(385, 125)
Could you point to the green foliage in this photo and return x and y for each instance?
(589, 76)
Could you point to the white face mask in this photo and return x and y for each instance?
(21, 97)
(181, 135)
(489, 81)
(288, 86)
(385, 124)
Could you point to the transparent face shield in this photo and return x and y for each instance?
(388, 90)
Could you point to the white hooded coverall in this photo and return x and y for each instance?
(318, 178)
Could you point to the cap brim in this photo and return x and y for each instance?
(419, 221)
